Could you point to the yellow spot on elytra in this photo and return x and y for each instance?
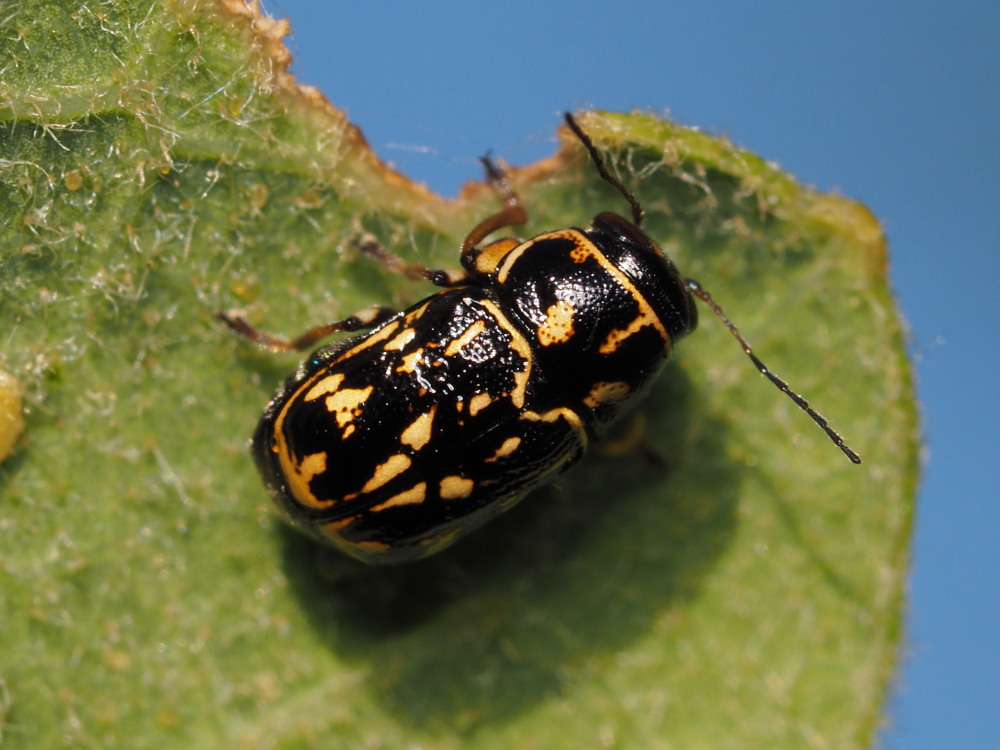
(415, 494)
(550, 416)
(557, 328)
(312, 465)
(479, 402)
(418, 434)
(345, 404)
(509, 445)
(386, 472)
(416, 313)
(376, 337)
(299, 475)
(410, 361)
(603, 393)
(455, 487)
(519, 345)
(455, 345)
(405, 337)
(323, 387)
(553, 415)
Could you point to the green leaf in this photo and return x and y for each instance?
(157, 165)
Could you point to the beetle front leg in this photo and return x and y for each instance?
(369, 317)
(392, 262)
(512, 212)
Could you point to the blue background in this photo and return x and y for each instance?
(897, 106)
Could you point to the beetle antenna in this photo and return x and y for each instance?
(696, 289)
(603, 171)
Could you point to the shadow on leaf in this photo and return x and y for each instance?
(501, 621)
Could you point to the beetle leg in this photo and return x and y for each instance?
(512, 212)
(366, 318)
(634, 440)
(373, 249)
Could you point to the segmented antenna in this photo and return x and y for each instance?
(602, 170)
(696, 289)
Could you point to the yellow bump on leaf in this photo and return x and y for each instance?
(11, 413)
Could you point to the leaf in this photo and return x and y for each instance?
(158, 165)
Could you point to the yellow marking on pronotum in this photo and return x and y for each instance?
(520, 346)
(604, 392)
(479, 402)
(617, 336)
(418, 434)
(455, 487)
(415, 494)
(557, 328)
(490, 256)
(513, 256)
(386, 472)
(553, 415)
(470, 333)
(509, 445)
(586, 250)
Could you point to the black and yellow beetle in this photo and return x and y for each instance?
(396, 443)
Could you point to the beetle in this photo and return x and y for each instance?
(394, 444)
